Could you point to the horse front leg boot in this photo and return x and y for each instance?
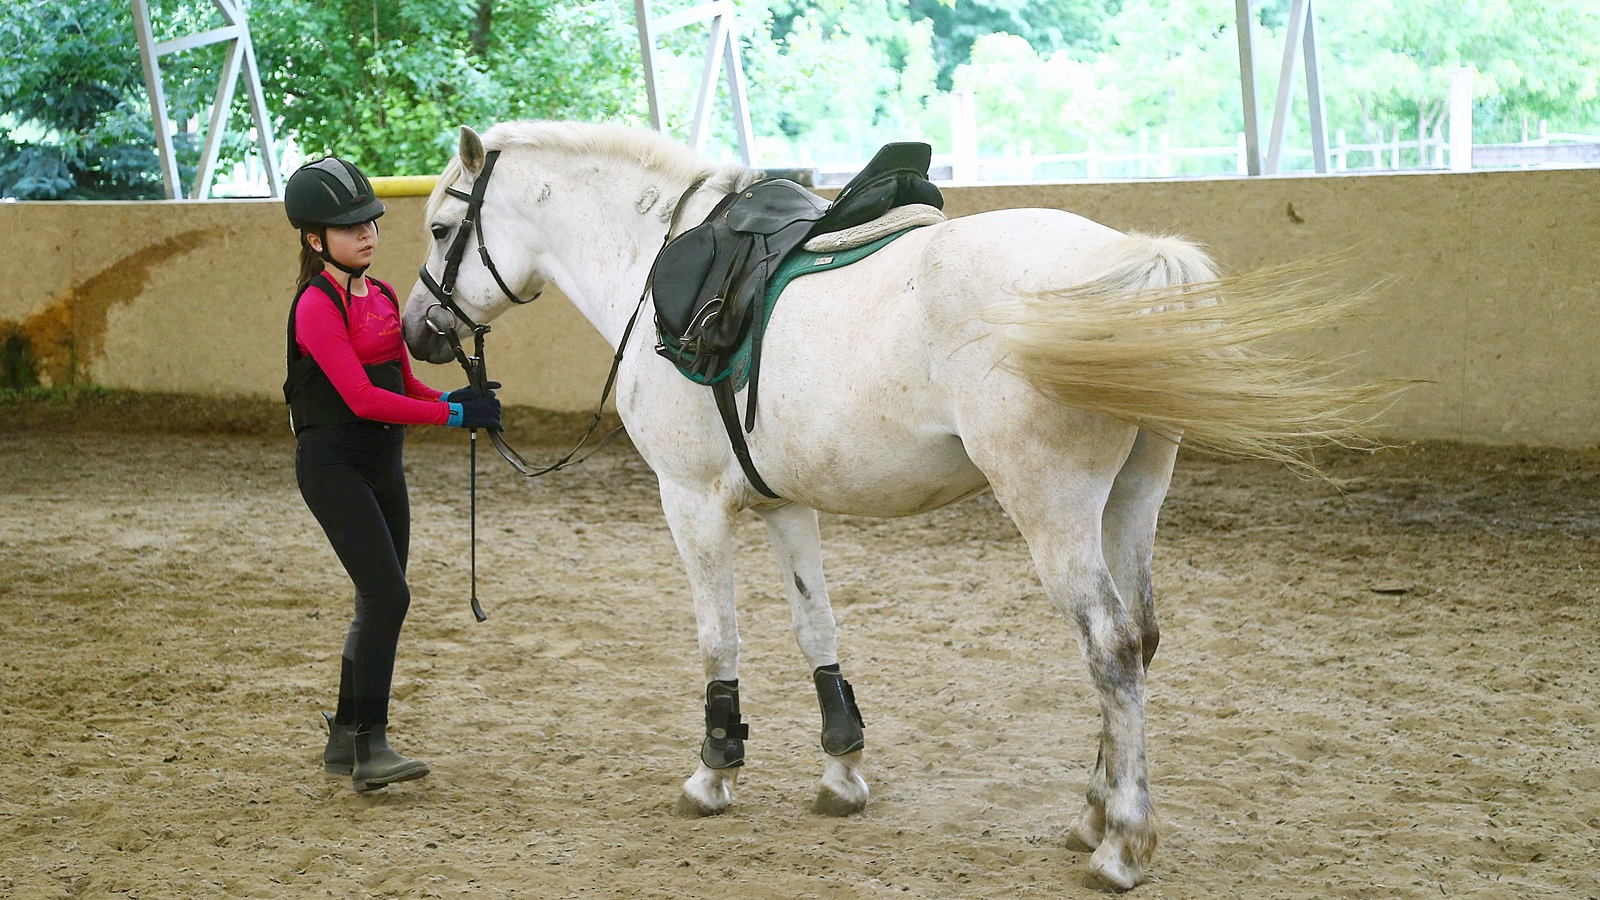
(377, 765)
(843, 729)
(723, 747)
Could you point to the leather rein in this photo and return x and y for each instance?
(476, 366)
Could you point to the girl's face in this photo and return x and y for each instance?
(352, 245)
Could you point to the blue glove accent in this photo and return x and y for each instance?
(455, 415)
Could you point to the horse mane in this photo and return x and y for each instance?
(639, 146)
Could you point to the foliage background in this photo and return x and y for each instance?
(386, 83)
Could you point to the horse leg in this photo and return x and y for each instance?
(701, 526)
(1077, 578)
(1128, 530)
(1053, 469)
(798, 545)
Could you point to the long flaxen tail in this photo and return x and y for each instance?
(1160, 339)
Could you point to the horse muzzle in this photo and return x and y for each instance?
(425, 335)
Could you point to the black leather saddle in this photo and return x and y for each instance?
(709, 284)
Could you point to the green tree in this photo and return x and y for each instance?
(381, 82)
(1179, 62)
(73, 126)
(386, 84)
(1047, 26)
(1056, 103)
(1532, 60)
(836, 79)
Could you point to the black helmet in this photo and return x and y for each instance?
(327, 192)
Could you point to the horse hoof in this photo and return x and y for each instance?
(1078, 843)
(1110, 873)
(1109, 883)
(1086, 832)
(829, 803)
(689, 807)
(842, 791)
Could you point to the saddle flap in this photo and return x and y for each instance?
(768, 207)
(680, 271)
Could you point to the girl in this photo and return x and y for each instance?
(350, 392)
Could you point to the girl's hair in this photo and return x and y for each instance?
(310, 263)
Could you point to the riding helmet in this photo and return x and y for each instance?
(330, 191)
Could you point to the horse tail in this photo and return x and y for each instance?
(1159, 339)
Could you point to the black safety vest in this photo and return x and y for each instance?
(312, 398)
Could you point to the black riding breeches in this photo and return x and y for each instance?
(352, 479)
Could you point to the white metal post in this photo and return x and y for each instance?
(708, 81)
(219, 119)
(158, 100)
(647, 54)
(258, 104)
(1461, 120)
(1247, 86)
(1314, 105)
(1300, 36)
(963, 136)
(241, 59)
(1293, 38)
(736, 90)
(722, 48)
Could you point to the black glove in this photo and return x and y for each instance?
(480, 413)
(462, 395)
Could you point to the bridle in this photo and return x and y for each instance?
(444, 290)
(476, 366)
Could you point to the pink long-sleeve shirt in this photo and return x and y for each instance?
(372, 337)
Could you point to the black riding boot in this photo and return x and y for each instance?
(339, 757)
(377, 765)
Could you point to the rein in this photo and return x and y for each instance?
(476, 365)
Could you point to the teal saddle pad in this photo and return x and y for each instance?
(798, 263)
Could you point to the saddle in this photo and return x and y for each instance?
(710, 283)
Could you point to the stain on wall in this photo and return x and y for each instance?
(52, 346)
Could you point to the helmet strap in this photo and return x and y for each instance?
(353, 272)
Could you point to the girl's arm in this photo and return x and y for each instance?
(321, 329)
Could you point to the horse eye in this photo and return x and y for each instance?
(440, 231)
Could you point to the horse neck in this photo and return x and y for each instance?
(611, 225)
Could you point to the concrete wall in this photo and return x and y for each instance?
(1488, 289)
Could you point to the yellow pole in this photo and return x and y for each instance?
(404, 185)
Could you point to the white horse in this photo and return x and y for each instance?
(1029, 352)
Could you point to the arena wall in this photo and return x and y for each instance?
(1486, 288)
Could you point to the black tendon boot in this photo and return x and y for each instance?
(725, 734)
(377, 765)
(339, 757)
(842, 726)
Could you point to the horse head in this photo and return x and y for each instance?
(458, 290)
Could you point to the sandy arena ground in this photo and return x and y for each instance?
(1386, 692)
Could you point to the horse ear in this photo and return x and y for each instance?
(471, 150)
